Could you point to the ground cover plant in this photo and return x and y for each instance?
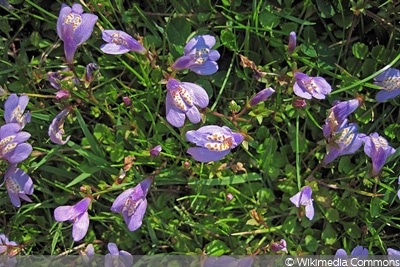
(200, 127)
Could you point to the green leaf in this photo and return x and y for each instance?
(311, 243)
(332, 215)
(308, 50)
(348, 205)
(178, 30)
(94, 146)
(376, 207)
(325, 8)
(216, 248)
(360, 50)
(329, 235)
(352, 229)
(228, 39)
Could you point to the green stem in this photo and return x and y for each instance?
(228, 73)
(297, 153)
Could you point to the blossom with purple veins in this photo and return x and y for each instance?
(378, 149)
(78, 215)
(117, 258)
(308, 87)
(345, 141)
(214, 142)
(303, 198)
(14, 108)
(155, 151)
(18, 185)
(281, 246)
(56, 128)
(337, 115)
(182, 99)
(119, 42)
(55, 79)
(292, 42)
(198, 56)
(12, 143)
(74, 27)
(132, 203)
(389, 81)
(261, 96)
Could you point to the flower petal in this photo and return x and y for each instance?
(135, 220)
(208, 68)
(174, 116)
(198, 94)
(205, 155)
(384, 95)
(80, 227)
(120, 201)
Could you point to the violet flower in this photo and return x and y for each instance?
(182, 99)
(378, 149)
(18, 185)
(309, 87)
(14, 108)
(389, 81)
(74, 27)
(337, 115)
(346, 141)
(393, 252)
(398, 192)
(281, 246)
(155, 151)
(6, 244)
(357, 251)
(78, 215)
(303, 198)
(91, 68)
(214, 142)
(132, 203)
(292, 42)
(198, 56)
(12, 143)
(117, 258)
(261, 96)
(119, 42)
(56, 128)
(88, 254)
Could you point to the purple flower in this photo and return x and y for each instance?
(199, 57)
(292, 42)
(132, 203)
(56, 128)
(345, 141)
(90, 70)
(377, 148)
(74, 27)
(117, 258)
(18, 185)
(393, 252)
(182, 99)
(8, 250)
(303, 198)
(119, 42)
(281, 246)
(87, 255)
(14, 108)
(357, 251)
(337, 115)
(127, 101)
(389, 81)
(76, 214)
(261, 96)
(155, 151)
(299, 103)
(308, 87)
(214, 142)
(12, 146)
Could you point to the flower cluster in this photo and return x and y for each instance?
(14, 148)
(343, 137)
